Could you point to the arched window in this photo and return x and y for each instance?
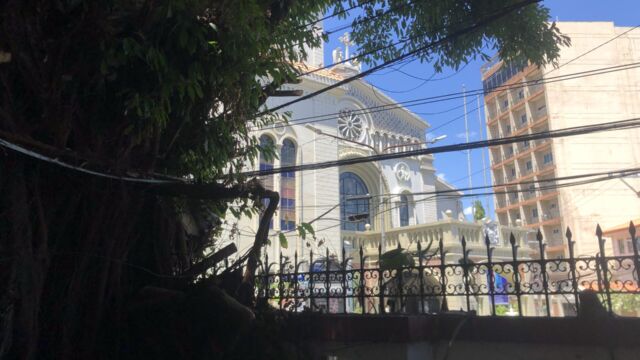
(266, 163)
(404, 210)
(288, 187)
(354, 213)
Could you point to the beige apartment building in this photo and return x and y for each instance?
(527, 107)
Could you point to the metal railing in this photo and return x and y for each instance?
(427, 280)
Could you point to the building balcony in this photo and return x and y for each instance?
(527, 198)
(534, 91)
(492, 119)
(551, 218)
(555, 241)
(541, 142)
(450, 231)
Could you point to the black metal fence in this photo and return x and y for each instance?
(433, 281)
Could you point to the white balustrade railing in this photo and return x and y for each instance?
(450, 231)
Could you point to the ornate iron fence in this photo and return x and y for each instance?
(425, 281)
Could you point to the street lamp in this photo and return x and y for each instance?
(375, 151)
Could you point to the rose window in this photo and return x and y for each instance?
(350, 125)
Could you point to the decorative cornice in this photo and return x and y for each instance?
(347, 152)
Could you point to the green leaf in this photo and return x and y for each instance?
(302, 232)
(283, 240)
(308, 228)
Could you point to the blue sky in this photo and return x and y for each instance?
(402, 87)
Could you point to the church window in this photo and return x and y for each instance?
(350, 125)
(404, 210)
(354, 213)
(266, 163)
(288, 187)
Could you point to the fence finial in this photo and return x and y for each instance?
(512, 239)
(599, 231)
(568, 234)
(632, 229)
(539, 236)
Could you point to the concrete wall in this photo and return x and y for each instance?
(457, 336)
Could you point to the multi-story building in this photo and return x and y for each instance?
(521, 99)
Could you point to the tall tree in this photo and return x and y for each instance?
(163, 89)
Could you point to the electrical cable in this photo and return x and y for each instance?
(424, 81)
(593, 49)
(369, 18)
(344, 11)
(373, 51)
(507, 10)
(452, 194)
(454, 96)
(571, 131)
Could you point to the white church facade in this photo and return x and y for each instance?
(363, 205)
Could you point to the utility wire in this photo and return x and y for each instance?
(343, 11)
(378, 14)
(373, 51)
(593, 49)
(507, 10)
(571, 131)
(610, 126)
(611, 175)
(424, 81)
(454, 96)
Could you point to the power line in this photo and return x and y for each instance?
(456, 34)
(593, 49)
(344, 11)
(369, 18)
(424, 82)
(571, 131)
(455, 95)
(609, 175)
(373, 51)
(616, 125)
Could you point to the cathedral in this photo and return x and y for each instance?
(374, 199)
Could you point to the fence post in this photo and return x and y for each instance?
(604, 266)
(543, 271)
(465, 272)
(344, 281)
(311, 286)
(281, 282)
(399, 272)
(265, 268)
(362, 280)
(296, 286)
(634, 244)
(380, 282)
(516, 271)
(420, 276)
(492, 294)
(327, 283)
(443, 280)
(572, 267)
